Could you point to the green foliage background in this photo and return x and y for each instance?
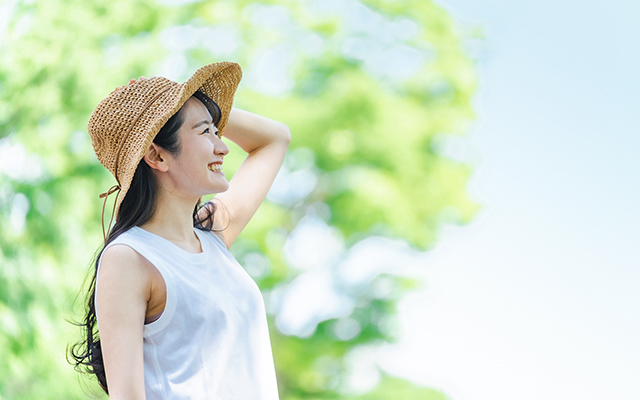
(367, 104)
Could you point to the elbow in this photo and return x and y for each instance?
(284, 134)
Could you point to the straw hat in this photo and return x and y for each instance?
(123, 125)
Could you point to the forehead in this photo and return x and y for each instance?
(194, 112)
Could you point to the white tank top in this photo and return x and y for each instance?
(211, 341)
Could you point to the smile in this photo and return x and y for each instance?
(215, 167)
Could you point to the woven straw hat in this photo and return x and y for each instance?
(123, 125)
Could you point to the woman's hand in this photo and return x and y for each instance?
(132, 80)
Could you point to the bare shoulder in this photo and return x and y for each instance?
(121, 256)
(123, 268)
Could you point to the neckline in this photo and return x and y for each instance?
(193, 257)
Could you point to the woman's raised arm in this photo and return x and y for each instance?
(266, 142)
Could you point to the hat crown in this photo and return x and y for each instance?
(114, 120)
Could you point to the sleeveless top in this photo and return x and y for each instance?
(211, 341)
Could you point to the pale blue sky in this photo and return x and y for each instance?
(539, 298)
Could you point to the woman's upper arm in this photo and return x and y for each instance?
(250, 185)
(123, 291)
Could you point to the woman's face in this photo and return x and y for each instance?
(195, 170)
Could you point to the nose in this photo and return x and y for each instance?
(219, 147)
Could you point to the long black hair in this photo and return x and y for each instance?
(137, 207)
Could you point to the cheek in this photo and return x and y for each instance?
(194, 155)
(198, 149)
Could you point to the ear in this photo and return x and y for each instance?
(155, 157)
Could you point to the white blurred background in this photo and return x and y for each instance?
(539, 298)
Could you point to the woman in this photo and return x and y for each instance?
(178, 318)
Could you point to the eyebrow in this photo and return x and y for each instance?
(203, 122)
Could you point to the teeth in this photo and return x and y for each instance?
(215, 167)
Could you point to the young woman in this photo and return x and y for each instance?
(178, 317)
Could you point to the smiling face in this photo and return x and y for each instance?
(196, 170)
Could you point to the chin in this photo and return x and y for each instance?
(220, 189)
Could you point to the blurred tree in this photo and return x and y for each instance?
(370, 89)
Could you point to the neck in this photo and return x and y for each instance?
(173, 220)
